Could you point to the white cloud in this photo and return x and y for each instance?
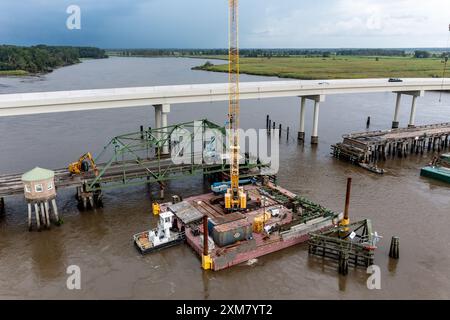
(412, 18)
(354, 23)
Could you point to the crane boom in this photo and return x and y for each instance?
(233, 106)
(235, 197)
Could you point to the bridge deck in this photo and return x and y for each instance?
(78, 100)
(117, 174)
(377, 137)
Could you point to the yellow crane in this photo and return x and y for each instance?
(235, 198)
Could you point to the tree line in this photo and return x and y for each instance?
(261, 52)
(42, 58)
(268, 53)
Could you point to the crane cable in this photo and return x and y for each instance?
(445, 55)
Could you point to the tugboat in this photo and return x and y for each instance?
(164, 236)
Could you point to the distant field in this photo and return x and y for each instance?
(339, 67)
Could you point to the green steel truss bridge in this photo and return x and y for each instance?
(145, 157)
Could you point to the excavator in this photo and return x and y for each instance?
(83, 164)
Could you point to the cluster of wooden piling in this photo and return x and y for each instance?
(371, 147)
(349, 243)
(271, 126)
(89, 199)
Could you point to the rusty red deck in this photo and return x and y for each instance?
(261, 243)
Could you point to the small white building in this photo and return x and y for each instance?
(39, 184)
(39, 189)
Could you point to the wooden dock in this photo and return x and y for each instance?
(374, 146)
(353, 244)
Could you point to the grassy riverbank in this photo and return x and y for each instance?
(336, 67)
(13, 73)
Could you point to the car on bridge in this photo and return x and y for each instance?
(395, 80)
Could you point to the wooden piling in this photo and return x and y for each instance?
(55, 209)
(343, 263)
(205, 235)
(43, 216)
(161, 192)
(36, 210)
(279, 131)
(47, 214)
(394, 251)
(29, 216)
(347, 198)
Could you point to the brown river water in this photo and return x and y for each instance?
(33, 264)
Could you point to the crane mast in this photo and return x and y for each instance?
(235, 198)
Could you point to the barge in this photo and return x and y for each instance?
(438, 169)
(275, 219)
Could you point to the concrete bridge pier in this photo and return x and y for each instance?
(412, 116)
(395, 122)
(161, 112)
(315, 132)
(158, 119)
(165, 112)
(301, 131)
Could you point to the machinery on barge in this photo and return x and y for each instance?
(236, 223)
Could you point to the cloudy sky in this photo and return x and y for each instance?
(203, 23)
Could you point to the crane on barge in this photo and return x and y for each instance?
(235, 197)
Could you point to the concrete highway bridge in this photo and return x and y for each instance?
(162, 97)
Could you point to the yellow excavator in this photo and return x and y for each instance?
(83, 164)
